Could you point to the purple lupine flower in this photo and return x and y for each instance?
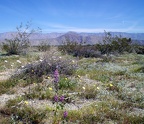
(56, 76)
(61, 98)
(65, 114)
(56, 98)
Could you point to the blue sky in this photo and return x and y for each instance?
(73, 15)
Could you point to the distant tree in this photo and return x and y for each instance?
(0, 47)
(71, 47)
(44, 46)
(20, 42)
(116, 44)
(105, 46)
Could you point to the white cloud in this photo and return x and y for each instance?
(90, 30)
(52, 27)
(73, 29)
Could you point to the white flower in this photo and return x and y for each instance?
(60, 57)
(73, 61)
(5, 61)
(22, 66)
(12, 64)
(98, 88)
(40, 60)
(83, 88)
(18, 61)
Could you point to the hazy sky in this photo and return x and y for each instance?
(74, 15)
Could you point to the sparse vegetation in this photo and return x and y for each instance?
(51, 87)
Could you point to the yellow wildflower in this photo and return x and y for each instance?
(50, 88)
(78, 76)
(48, 77)
(26, 102)
(111, 85)
(66, 78)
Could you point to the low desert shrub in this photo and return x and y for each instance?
(6, 85)
(89, 92)
(34, 72)
(66, 83)
(43, 46)
(21, 112)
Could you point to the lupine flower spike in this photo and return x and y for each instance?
(56, 76)
(56, 98)
(65, 114)
(62, 98)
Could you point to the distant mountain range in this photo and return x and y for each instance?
(57, 38)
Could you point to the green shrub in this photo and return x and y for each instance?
(115, 45)
(44, 46)
(89, 92)
(21, 112)
(6, 85)
(66, 83)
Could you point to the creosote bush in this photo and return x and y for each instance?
(43, 46)
(109, 45)
(19, 43)
(79, 49)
